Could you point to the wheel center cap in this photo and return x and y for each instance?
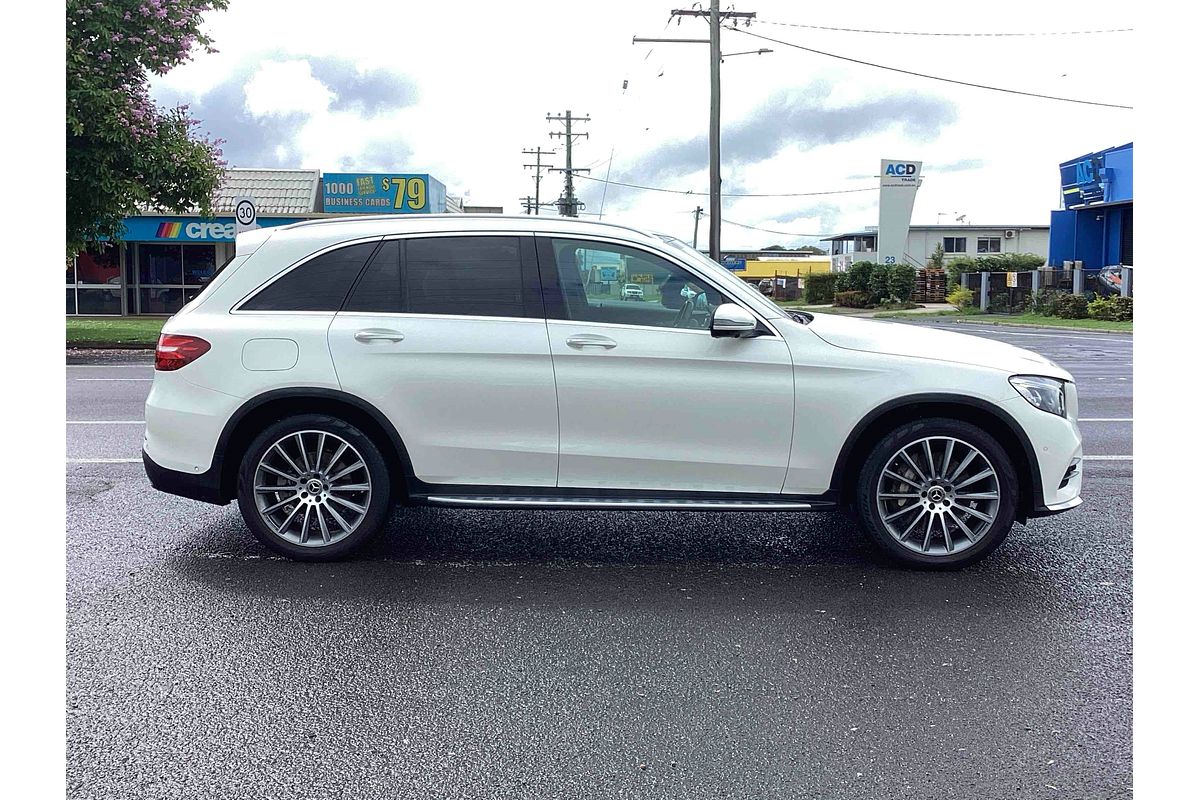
(315, 486)
(937, 494)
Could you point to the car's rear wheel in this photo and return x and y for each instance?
(937, 493)
(313, 487)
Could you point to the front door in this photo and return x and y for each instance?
(446, 336)
(647, 397)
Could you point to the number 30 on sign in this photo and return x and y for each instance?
(411, 193)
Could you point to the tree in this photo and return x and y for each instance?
(938, 259)
(123, 151)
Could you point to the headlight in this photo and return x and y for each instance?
(1048, 394)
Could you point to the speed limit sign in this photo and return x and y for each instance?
(245, 214)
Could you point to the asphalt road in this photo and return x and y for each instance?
(584, 654)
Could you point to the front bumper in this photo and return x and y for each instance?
(205, 486)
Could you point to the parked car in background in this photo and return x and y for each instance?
(632, 292)
(336, 368)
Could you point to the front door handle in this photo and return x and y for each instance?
(378, 335)
(581, 340)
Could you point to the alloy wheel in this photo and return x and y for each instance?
(312, 488)
(938, 496)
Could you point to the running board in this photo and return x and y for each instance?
(626, 503)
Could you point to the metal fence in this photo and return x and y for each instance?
(1018, 292)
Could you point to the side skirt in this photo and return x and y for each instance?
(626, 502)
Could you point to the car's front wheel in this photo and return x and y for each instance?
(937, 493)
(313, 487)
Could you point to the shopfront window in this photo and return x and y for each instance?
(93, 281)
(169, 275)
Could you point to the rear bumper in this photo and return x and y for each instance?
(205, 486)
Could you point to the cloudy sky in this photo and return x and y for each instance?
(459, 89)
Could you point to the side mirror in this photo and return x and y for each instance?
(732, 320)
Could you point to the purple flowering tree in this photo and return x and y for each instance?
(124, 151)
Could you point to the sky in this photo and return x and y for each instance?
(458, 90)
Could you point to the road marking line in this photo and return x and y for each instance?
(1108, 458)
(122, 421)
(1105, 419)
(147, 380)
(147, 365)
(104, 461)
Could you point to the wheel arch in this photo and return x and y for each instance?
(988, 416)
(269, 407)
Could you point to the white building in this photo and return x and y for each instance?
(956, 240)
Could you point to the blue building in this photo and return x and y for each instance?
(1095, 225)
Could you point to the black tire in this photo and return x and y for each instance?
(867, 512)
(378, 503)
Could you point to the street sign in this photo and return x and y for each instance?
(245, 214)
(608, 274)
(1012, 280)
(642, 277)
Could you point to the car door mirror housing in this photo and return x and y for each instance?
(732, 320)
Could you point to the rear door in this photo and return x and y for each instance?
(648, 398)
(446, 335)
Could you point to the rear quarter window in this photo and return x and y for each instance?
(319, 284)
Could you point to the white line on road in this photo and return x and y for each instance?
(1108, 458)
(1106, 419)
(147, 380)
(118, 421)
(147, 365)
(104, 461)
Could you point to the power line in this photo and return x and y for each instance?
(937, 33)
(768, 230)
(923, 75)
(728, 194)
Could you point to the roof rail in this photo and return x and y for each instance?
(452, 216)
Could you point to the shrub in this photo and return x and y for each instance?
(1071, 306)
(1045, 302)
(961, 298)
(956, 267)
(852, 299)
(902, 283)
(841, 283)
(1111, 308)
(879, 284)
(860, 276)
(819, 289)
(1124, 307)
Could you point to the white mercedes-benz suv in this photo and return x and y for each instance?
(335, 368)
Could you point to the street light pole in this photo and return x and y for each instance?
(715, 18)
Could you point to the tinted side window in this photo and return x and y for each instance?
(465, 275)
(379, 287)
(316, 285)
(627, 286)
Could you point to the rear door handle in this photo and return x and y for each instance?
(378, 335)
(582, 340)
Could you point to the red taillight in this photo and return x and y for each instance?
(178, 351)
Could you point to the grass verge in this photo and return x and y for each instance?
(113, 332)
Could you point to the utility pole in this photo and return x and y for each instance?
(568, 205)
(537, 176)
(529, 204)
(715, 17)
(696, 227)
